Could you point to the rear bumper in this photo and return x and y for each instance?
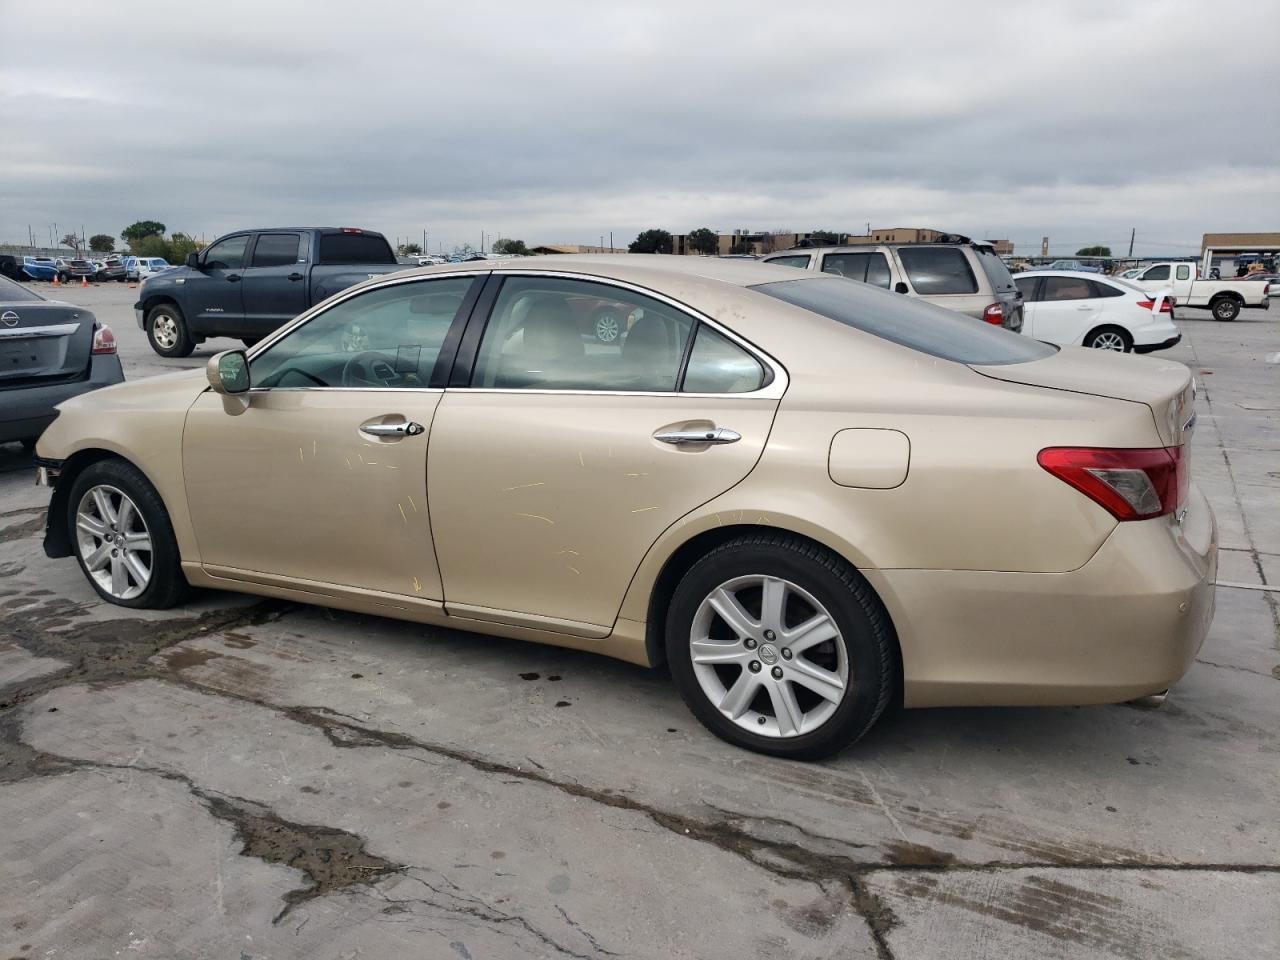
(1149, 347)
(1125, 625)
(26, 411)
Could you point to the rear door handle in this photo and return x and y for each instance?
(709, 435)
(233, 278)
(405, 428)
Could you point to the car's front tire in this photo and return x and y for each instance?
(123, 537)
(780, 646)
(167, 331)
(1225, 308)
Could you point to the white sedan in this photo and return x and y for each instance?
(1085, 309)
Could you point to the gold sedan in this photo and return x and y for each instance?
(807, 496)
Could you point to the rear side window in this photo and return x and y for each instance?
(1184, 271)
(995, 269)
(870, 268)
(909, 323)
(1066, 288)
(801, 262)
(276, 250)
(354, 248)
(718, 365)
(1099, 289)
(937, 271)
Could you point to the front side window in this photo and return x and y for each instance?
(543, 335)
(227, 254)
(276, 250)
(936, 271)
(801, 262)
(1065, 288)
(386, 337)
(1157, 273)
(1184, 271)
(870, 268)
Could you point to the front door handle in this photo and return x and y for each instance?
(294, 276)
(405, 428)
(233, 278)
(708, 435)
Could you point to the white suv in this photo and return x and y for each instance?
(955, 273)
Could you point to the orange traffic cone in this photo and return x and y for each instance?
(56, 283)
(84, 281)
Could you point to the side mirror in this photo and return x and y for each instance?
(193, 261)
(900, 287)
(228, 372)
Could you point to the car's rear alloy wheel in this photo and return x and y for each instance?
(607, 327)
(114, 542)
(779, 646)
(1109, 338)
(123, 537)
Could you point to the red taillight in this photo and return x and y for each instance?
(104, 341)
(1132, 484)
(1166, 305)
(994, 314)
(352, 230)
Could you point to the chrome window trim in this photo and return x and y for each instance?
(774, 390)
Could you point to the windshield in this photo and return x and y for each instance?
(908, 322)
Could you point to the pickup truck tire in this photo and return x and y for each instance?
(167, 331)
(1225, 308)
(1110, 338)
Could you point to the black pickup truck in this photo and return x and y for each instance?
(250, 282)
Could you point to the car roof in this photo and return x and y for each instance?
(641, 268)
(1082, 274)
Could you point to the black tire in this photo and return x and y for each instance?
(608, 325)
(182, 344)
(168, 586)
(1100, 338)
(1225, 308)
(866, 634)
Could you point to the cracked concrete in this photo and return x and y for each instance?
(255, 779)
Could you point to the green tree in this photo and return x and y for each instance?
(102, 243)
(651, 241)
(1098, 251)
(408, 249)
(152, 245)
(180, 245)
(704, 241)
(142, 228)
(510, 246)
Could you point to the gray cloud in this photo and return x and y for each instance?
(559, 122)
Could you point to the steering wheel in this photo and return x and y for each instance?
(369, 368)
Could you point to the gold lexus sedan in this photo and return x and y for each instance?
(808, 496)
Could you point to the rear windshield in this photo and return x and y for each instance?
(354, 248)
(907, 322)
(995, 269)
(11, 292)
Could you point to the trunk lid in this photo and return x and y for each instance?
(43, 342)
(1165, 386)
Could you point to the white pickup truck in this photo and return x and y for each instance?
(1223, 297)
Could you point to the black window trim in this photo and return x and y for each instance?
(773, 385)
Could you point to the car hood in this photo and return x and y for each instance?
(1165, 386)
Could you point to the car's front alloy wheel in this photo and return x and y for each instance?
(779, 646)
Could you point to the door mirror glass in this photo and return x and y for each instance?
(193, 261)
(228, 372)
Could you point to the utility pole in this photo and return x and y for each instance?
(611, 241)
(1132, 233)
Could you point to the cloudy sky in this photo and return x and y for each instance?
(560, 122)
